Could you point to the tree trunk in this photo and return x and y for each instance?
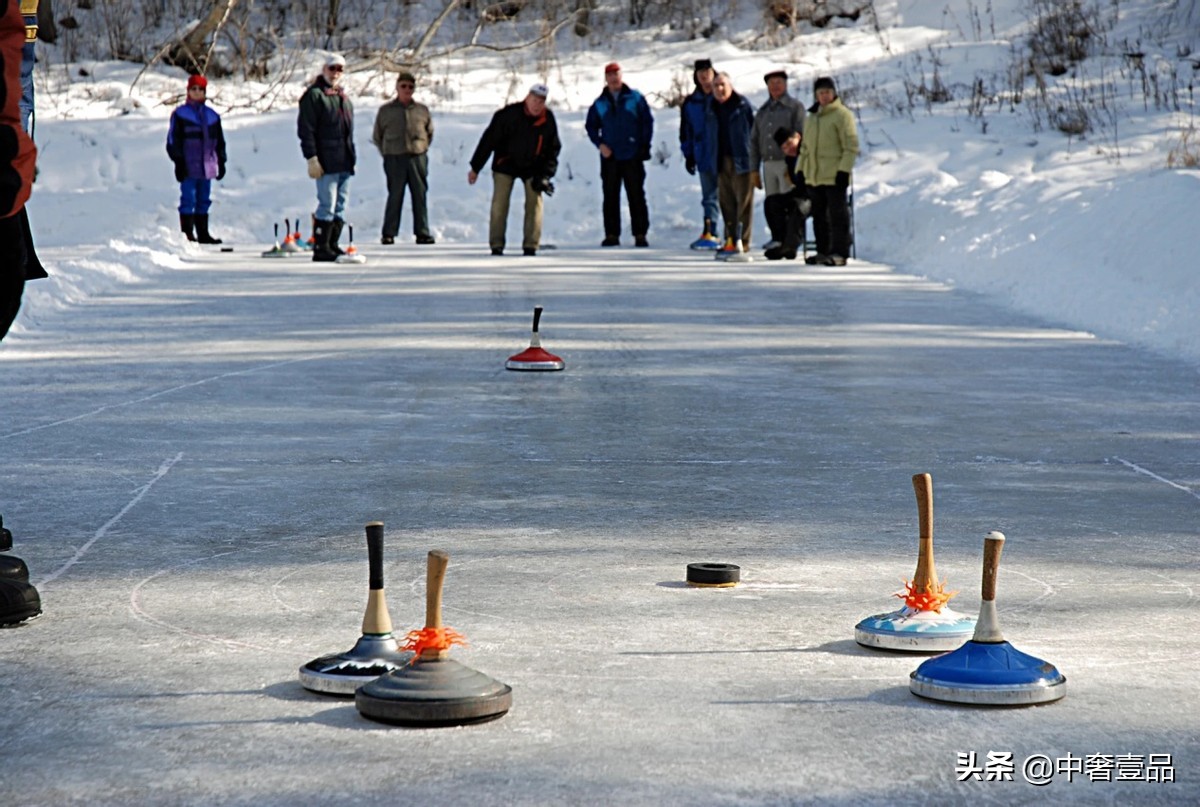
(432, 30)
(331, 22)
(192, 52)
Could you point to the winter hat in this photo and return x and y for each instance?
(612, 67)
(197, 81)
(824, 83)
(540, 90)
(335, 60)
(775, 74)
(703, 64)
(782, 135)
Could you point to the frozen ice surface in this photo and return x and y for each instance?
(188, 463)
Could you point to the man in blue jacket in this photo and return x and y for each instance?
(693, 142)
(620, 125)
(732, 117)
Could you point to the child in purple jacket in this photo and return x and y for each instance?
(196, 144)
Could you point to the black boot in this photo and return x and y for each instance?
(202, 233)
(321, 250)
(335, 232)
(775, 210)
(187, 223)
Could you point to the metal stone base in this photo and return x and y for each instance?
(988, 674)
(343, 673)
(432, 694)
(913, 631)
(535, 359)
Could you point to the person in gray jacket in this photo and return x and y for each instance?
(770, 173)
(403, 132)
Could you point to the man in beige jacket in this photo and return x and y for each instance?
(403, 132)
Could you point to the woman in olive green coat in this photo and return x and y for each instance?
(827, 154)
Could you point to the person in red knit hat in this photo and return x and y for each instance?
(196, 144)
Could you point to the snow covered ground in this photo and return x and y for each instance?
(1096, 234)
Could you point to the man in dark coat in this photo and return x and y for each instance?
(326, 129)
(196, 144)
(732, 117)
(522, 142)
(620, 125)
(693, 142)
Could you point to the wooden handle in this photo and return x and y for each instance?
(435, 575)
(925, 577)
(993, 545)
(376, 619)
(537, 317)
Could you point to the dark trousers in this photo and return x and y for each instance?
(787, 223)
(831, 219)
(409, 171)
(735, 192)
(631, 174)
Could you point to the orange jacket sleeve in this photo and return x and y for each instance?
(17, 152)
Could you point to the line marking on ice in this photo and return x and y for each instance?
(1153, 475)
(161, 393)
(135, 605)
(100, 533)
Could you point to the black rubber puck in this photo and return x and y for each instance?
(227, 249)
(720, 575)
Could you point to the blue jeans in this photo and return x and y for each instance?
(329, 206)
(28, 57)
(195, 196)
(708, 196)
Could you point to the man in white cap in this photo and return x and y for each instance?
(522, 142)
(326, 129)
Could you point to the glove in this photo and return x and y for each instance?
(842, 180)
(690, 164)
(644, 154)
(315, 170)
(180, 170)
(221, 171)
(543, 185)
(756, 180)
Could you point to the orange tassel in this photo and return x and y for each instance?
(934, 599)
(432, 639)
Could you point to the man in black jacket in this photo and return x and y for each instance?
(326, 128)
(522, 141)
